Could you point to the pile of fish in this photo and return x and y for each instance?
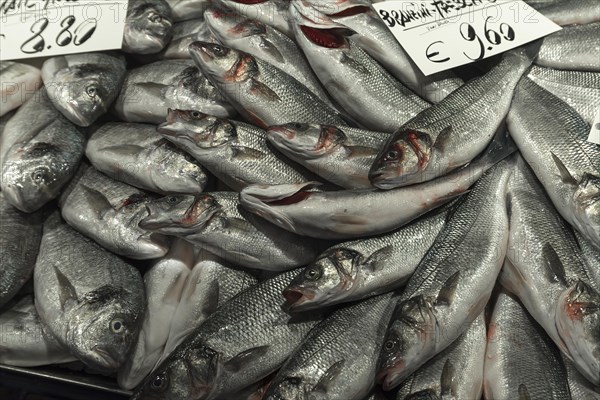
(266, 199)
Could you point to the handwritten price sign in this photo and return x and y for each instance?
(443, 34)
(40, 28)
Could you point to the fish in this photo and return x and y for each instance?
(521, 362)
(164, 283)
(109, 211)
(452, 132)
(184, 34)
(580, 387)
(210, 284)
(364, 89)
(269, 12)
(565, 12)
(83, 86)
(591, 254)
(40, 151)
(341, 155)
(547, 272)
(235, 152)
(184, 10)
(149, 91)
(572, 48)
(347, 214)
(453, 282)
(24, 341)
(247, 339)
(338, 358)
(216, 222)
(364, 267)
(261, 92)
(148, 26)
(455, 373)
(18, 83)
(580, 90)
(137, 155)
(20, 236)
(90, 300)
(552, 138)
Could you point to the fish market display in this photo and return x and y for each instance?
(183, 10)
(573, 48)
(18, 82)
(148, 27)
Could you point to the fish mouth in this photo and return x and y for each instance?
(206, 52)
(390, 377)
(305, 145)
(78, 118)
(105, 359)
(295, 298)
(153, 245)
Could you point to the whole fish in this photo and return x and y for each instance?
(210, 284)
(183, 10)
(580, 90)
(358, 83)
(565, 12)
(261, 92)
(455, 373)
(338, 358)
(591, 254)
(164, 283)
(18, 82)
(453, 132)
(521, 362)
(39, 152)
(24, 342)
(148, 26)
(235, 152)
(83, 86)
(364, 267)
(269, 12)
(361, 212)
(580, 387)
(247, 339)
(217, 223)
(91, 300)
(136, 154)
(184, 34)
(552, 138)
(149, 91)
(20, 236)
(453, 282)
(341, 155)
(573, 48)
(548, 274)
(109, 212)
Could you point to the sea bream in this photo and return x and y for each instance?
(18, 82)
(148, 26)
(573, 48)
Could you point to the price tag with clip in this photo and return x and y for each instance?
(41, 28)
(595, 132)
(443, 34)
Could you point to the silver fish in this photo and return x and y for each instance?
(24, 342)
(136, 154)
(456, 373)
(453, 282)
(247, 339)
(148, 26)
(364, 267)
(149, 91)
(217, 223)
(186, 33)
(552, 138)
(18, 82)
(261, 92)
(164, 283)
(580, 387)
(580, 90)
(591, 254)
(183, 10)
(269, 12)
(454, 131)
(109, 211)
(573, 48)
(91, 300)
(521, 361)
(235, 152)
(566, 12)
(338, 358)
(83, 86)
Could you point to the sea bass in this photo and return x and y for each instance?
(18, 82)
(573, 48)
(148, 26)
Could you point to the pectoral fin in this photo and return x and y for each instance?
(443, 138)
(246, 153)
(271, 50)
(328, 377)
(123, 149)
(565, 175)
(262, 90)
(555, 268)
(245, 357)
(66, 290)
(97, 201)
(448, 291)
(379, 258)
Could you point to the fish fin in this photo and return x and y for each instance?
(523, 392)
(124, 149)
(443, 138)
(447, 379)
(354, 64)
(255, 119)
(260, 88)
(151, 89)
(360, 151)
(556, 269)
(509, 201)
(244, 358)
(101, 295)
(97, 200)
(565, 175)
(212, 298)
(66, 290)
(329, 376)
(377, 260)
(447, 292)
(271, 49)
(499, 148)
(246, 153)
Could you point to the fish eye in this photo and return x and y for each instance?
(172, 199)
(389, 345)
(298, 125)
(219, 50)
(195, 114)
(117, 325)
(313, 273)
(392, 155)
(160, 382)
(154, 17)
(91, 91)
(38, 176)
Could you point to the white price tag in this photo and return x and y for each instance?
(41, 28)
(595, 132)
(443, 34)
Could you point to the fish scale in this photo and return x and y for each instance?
(573, 48)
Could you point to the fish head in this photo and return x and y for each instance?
(315, 30)
(411, 334)
(327, 279)
(223, 63)
(306, 140)
(587, 205)
(180, 214)
(578, 324)
(404, 156)
(83, 95)
(183, 172)
(148, 26)
(229, 25)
